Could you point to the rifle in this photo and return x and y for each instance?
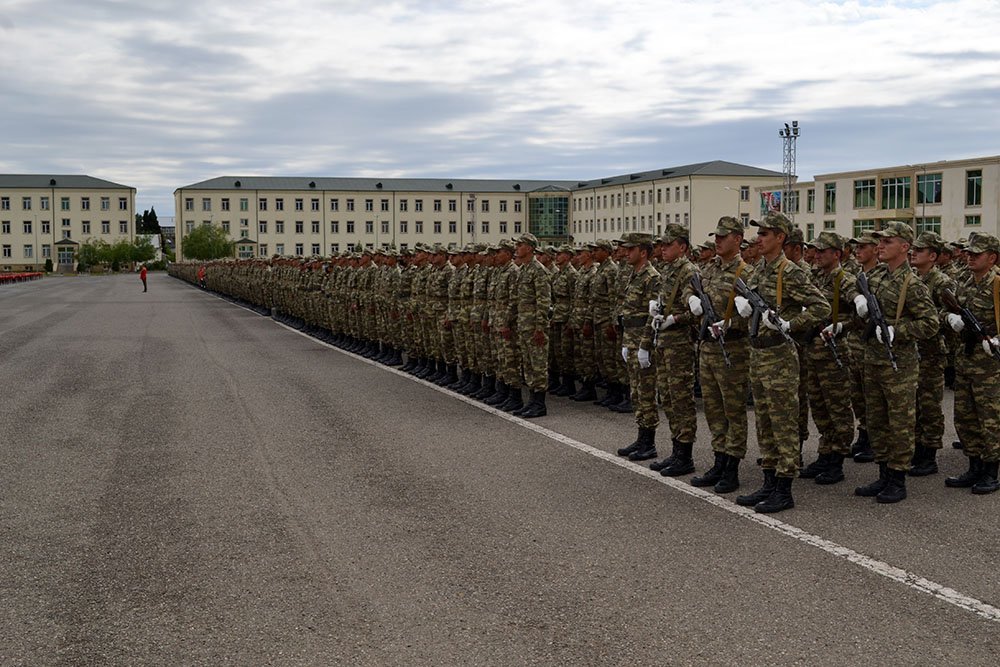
(831, 343)
(760, 309)
(659, 311)
(709, 317)
(876, 318)
(973, 334)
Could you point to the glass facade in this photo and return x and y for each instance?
(548, 217)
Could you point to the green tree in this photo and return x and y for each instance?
(208, 242)
(94, 253)
(142, 250)
(147, 222)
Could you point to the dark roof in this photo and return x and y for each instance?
(17, 181)
(713, 168)
(305, 183)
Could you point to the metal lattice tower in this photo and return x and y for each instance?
(788, 135)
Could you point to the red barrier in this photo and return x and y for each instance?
(10, 278)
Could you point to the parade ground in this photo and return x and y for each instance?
(186, 482)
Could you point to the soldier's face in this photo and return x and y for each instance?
(524, 251)
(923, 258)
(981, 262)
(828, 258)
(728, 245)
(893, 248)
(673, 250)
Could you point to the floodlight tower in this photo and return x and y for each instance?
(789, 135)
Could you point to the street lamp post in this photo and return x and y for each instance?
(789, 135)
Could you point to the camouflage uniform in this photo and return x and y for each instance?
(581, 324)
(636, 335)
(933, 358)
(561, 343)
(533, 297)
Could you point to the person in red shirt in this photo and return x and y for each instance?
(142, 277)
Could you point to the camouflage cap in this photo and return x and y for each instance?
(795, 237)
(707, 245)
(439, 249)
(530, 239)
(481, 247)
(895, 228)
(506, 244)
(550, 250)
(865, 239)
(453, 250)
(983, 243)
(827, 240)
(960, 244)
(672, 232)
(728, 225)
(930, 240)
(603, 244)
(634, 239)
(566, 248)
(776, 221)
(469, 248)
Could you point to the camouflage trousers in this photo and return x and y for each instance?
(675, 383)
(642, 383)
(534, 360)
(432, 339)
(508, 359)
(857, 367)
(803, 394)
(930, 394)
(977, 404)
(774, 374)
(891, 398)
(607, 353)
(830, 399)
(446, 338)
(584, 356)
(561, 348)
(724, 393)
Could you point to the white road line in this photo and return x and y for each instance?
(914, 581)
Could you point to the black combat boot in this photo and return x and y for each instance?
(489, 387)
(895, 487)
(834, 470)
(969, 477)
(635, 446)
(536, 407)
(730, 476)
(816, 467)
(613, 397)
(625, 407)
(474, 384)
(397, 358)
(586, 393)
(657, 466)
(779, 500)
(513, 402)
(862, 451)
(647, 450)
(440, 371)
(761, 494)
(411, 363)
(988, 482)
(500, 395)
(451, 377)
(568, 386)
(875, 488)
(422, 368)
(924, 462)
(683, 463)
(553, 380)
(713, 474)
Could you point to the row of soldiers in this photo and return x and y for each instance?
(643, 314)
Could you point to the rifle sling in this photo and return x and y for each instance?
(732, 293)
(902, 297)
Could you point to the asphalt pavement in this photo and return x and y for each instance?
(186, 482)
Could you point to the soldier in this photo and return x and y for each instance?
(637, 343)
(795, 251)
(582, 325)
(977, 371)
(723, 383)
(561, 333)
(796, 305)
(829, 382)
(502, 324)
(891, 395)
(866, 250)
(533, 299)
(604, 300)
(675, 351)
(932, 356)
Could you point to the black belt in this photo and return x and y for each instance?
(635, 321)
(764, 342)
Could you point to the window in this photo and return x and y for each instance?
(279, 204)
(896, 192)
(188, 226)
(299, 251)
(4, 203)
(369, 204)
(334, 204)
(26, 203)
(225, 204)
(418, 227)
(418, 204)
(385, 226)
(262, 249)
(314, 204)
(929, 189)
(300, 205)
(5, 227)
(486, 227)
(314, 226)
(6, 251)
(403, 226)
(829, 225)
(470, 227)
(46, 251)
(792, 205)
(244, 204)
(64, 203)
(225, 226)
(974, 187)
(105, 226)
(517, 206)
(279, 249)
(810, 200)
(687, 221)
(262, 227)
(188, 204)
(830, 198)
(315, 248)
(123, 204)
(437, 204)
(973, 220)
(643, 197)
(86, 227)
(334, 226)
(27, 226)
(43, 203)
(67, 233)
(744, 193)
(245, 223)
(46, 227)
(122, 227)
(262, 204)
(503, 227)
(452, 205)
(862, 226)
(350, 204)
(666, 195)
(517, 226)
(470, 206)
(206, 204)
(369, 227)
(298, 226)
(334, 248)
(928, 224)
(452, 227)
(403, 205)
(745, 219)
(437, 226)
(350, 226)
(384, 205)
(29, 252)
(864, 193)
(810, 231)
(279, 226)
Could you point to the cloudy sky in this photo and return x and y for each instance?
(159, 94)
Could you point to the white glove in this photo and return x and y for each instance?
(656, 323)
(956, 322)
(654, 307)
(861, 305)
(782, 325)
(718, 329)
(625, 354)
(892, 334)
(743, 306)
(832, 330)
(990, 343)
(694, 303)
(669, 322)
(644, 358)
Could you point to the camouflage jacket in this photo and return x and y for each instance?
(801, 302)
(841, 299)
(581, 310)
(936, 281)
(562, 293)
(634, 307)
(718, 278)
(533, 294)
(675, 279)
(603, 292)
(918, 318)
(977, 296)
